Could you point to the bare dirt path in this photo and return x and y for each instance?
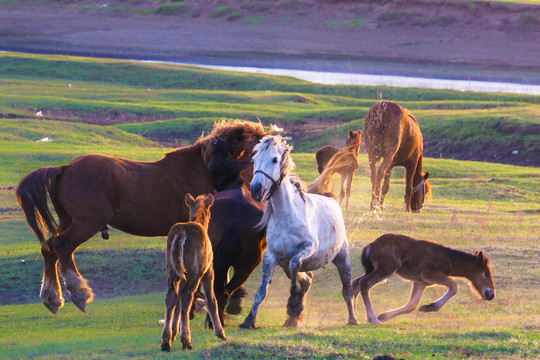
(426, 38)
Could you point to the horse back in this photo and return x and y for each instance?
(391, 130)
(193, 245)
(410, 256)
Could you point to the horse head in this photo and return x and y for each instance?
(355, 137)
(419, 193)
(481, 278)
(271, 163)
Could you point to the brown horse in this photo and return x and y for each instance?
(393, 134)
(141, 198)
(348, 163)
(189, 262)
(236, 242)
(425, 263)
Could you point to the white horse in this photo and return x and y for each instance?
(304, 232)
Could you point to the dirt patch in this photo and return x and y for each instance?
(449, 39)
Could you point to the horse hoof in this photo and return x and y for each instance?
(186, 345)
(247, 326)
(291, 322)
(221, 337)
(165, 346)
(353, 322)
(54, 307)
(80, 305)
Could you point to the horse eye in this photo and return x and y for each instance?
(274, 160)
(486, 275)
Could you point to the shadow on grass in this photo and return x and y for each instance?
(110, 273)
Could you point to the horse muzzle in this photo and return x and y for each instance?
(256, 191)
(488, 294)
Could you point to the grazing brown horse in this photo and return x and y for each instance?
(425, 263)
(393, 134)
(140, 198)
(348, 163)
(189, 262)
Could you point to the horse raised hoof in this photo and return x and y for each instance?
(234, 306)
(81, 297)
(428, 308)
(51, 300)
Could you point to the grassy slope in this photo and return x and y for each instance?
(133, 95)
(476, 206)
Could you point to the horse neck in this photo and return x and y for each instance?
(283, 198)
(190, 157)
(201, 217)
(462, 262)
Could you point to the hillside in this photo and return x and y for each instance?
(173, 104)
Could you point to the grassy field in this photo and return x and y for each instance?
(475, 206)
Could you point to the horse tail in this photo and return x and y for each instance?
(33, 194)
(340, 159)
(366, 261)
(177, 254)
(234, 305)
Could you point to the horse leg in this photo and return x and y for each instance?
(374, 187)
(269, 264)
(51, 292)
(342, 188)
(233, 288)
(386, 185)
(348, 191)
(364, 284)
(438, 278)
(211, 303)
(381, 174)
(295, 304)
(343, 264)
(171, 300)
(187, 294)
(416, 294)
(64, 245)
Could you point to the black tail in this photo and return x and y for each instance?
(33, 195)
(366, 261)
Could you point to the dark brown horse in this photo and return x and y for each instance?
(189, 263)
(237, 243)
(425, 263)
(393, 134)
(348, 162)
(141, 198)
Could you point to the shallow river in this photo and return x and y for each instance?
(336, 78)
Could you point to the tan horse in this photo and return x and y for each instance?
(189, 262)
(345, 162)
(425, 263)
(140, 198)
(393, 134)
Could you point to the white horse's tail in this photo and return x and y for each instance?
(177, 254)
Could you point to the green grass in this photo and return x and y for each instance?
(475, 206)
(158, 101)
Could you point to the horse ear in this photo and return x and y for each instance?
(426, 176)
(480, 257)
(209, 200)
(189, 200)
(351, 133)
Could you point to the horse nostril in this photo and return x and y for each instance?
(489, 294)
(256, 190)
